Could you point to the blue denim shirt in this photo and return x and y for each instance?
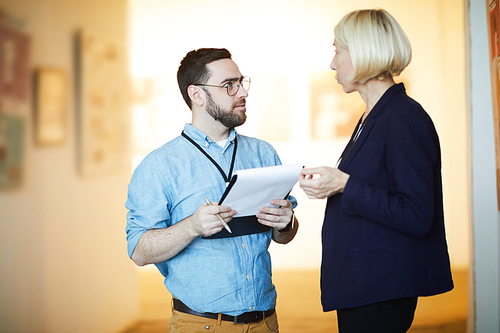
(228, 275)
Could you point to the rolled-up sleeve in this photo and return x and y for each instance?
(147, 203)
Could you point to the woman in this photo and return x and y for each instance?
(383, 233)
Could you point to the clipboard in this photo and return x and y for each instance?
(250, 189)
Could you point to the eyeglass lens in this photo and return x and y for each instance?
(233, 88)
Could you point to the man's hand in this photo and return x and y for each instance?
(204, 222)
(157, 245)
(276, 217)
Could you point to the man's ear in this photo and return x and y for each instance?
(196, 95)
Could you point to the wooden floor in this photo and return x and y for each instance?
(299, 309)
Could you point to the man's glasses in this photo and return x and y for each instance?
(232, 87)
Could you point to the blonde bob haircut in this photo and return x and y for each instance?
(378, 46)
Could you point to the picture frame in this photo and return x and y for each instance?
(334, 114)
(11, 151)
(101, 105)
(14, 64)
(493, 18)
(51, 106)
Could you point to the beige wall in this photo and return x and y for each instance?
(64, 265)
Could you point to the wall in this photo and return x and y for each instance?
(64, 265)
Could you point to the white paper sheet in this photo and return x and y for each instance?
(255, 188)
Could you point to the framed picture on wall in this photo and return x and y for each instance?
(494, 43)
(274, 107)
(11, 151)
(51, 114)
(101, 105)
(14, 64)
(334, 114)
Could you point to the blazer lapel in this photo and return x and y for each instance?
(370, 123)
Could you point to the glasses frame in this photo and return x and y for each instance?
(227, 88)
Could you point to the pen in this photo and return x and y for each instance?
(220, 218)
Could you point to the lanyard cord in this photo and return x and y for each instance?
(226, 178)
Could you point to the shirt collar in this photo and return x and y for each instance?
(202, 138)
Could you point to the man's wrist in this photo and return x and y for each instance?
(289, 226)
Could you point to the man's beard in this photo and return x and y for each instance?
(225, 117)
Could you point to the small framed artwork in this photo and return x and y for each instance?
(11, 151)
(334, 114)
(494, 45)
(14, 64)
(51, 108)
(101, 94)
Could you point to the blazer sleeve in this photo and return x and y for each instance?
(405, 199)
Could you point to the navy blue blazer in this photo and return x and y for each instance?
(383, 237)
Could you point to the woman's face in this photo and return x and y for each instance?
(342, 64)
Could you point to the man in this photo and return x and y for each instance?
(220, 281)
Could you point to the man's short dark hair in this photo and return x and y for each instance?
(193, 68)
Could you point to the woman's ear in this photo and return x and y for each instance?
(196, 94)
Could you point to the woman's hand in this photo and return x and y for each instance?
(329, 182)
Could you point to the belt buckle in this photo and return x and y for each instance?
(252, 317)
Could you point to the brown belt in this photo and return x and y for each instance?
(244, 318)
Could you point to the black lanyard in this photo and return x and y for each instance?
(226, 178)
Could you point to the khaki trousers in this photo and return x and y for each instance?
(185, 323)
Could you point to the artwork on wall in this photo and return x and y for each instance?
(14, 64)
(274, 108)
(15, 83)
(102, 113)
(494, 43)
(11, 151)
(51, 89)
(334, 114)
